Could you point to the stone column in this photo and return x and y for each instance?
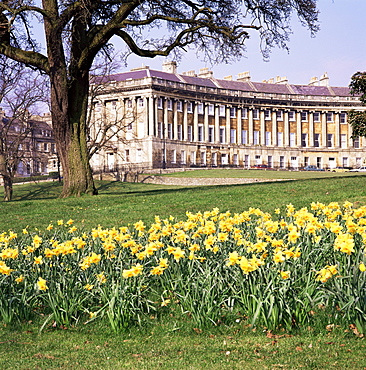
(185, 121)
(250, 127)
(298, 129)
(217, 124)
(337, 136)
(205, 123)
(227, 129)
(286, 134)
(195, 122)
(274, 128)
(262, 139)
(311, 129)
(151, 115)
(238, 126)
(323, 118)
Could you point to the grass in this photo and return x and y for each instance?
(122, 203)
(164, 346)
(260, 174)
(175, 344)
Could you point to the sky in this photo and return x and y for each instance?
(339, 49)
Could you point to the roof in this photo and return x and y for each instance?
(248, 86)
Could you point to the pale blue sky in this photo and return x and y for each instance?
(339, 49)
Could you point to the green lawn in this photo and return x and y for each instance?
(176, 344)
(168, 347)
(260, 174)
(123, 203)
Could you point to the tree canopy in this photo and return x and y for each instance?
(76, 31)
(357, 119)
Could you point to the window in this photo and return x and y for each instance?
(294, 162)
(45, 147)
(38, 146)
(190, 133)
(222, 110)
(139, 156)
(224, 159)
(244, 113)
(222, 135)
(279, 115)
(343, 118)
(282, 161)
(292, 139)
(174, 156)
(203, 158)
(244, 136)
(304, 140)
(345, 161)
(235, 160)
(200, 108)
(316, 116)
(330, 143)
(193, 157)
(270, 161)
(256, 137)
(356, 142)
(316, 140)
(268, 138)
(160, 130)
(329, 117)
(214, 159)
(183, 157)
(280, 138)
(255, 113)
(211, 109)
(180, 132)
(200, 133)
(246, 161)
(343, 141)
(232, 112)
(267, 114)
(169, 103)
(160, 103)
(53, 148)
(170, 130)
(304, 116)
(127, 155)
(258, 159)
(291, 116)
(140, 103)
(211, 134)
(306, 161)
(319, 162)
(179, 106)
(189, 107)
(129, 103)
(232, 136)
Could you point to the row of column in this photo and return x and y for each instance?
(151, 102)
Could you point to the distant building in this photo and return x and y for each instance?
(32, 142)
(195, 120)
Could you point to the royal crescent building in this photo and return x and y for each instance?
(166, 120)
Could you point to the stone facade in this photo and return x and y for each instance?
(166, 120)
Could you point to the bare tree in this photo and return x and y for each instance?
(21, 91)
(76, 31)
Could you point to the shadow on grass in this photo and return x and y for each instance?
(52, 190)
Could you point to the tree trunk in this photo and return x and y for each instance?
(69, 124)
(8, 187)
(69, 100)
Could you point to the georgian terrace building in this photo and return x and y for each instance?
(165, 119)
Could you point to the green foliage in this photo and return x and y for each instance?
(357, 119)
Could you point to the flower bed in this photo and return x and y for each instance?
(279, 270)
